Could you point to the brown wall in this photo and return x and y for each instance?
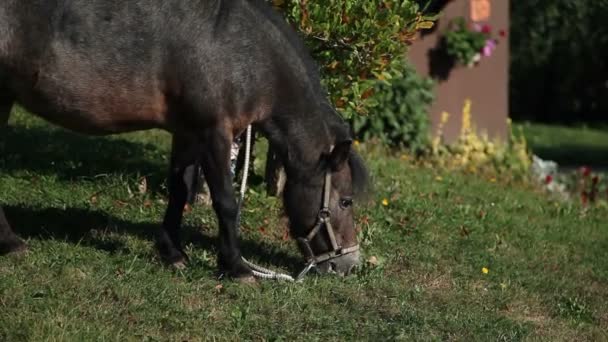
(485, 84)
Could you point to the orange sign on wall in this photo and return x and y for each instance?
(481, 10)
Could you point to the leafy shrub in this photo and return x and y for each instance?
(356, 43)
(401, 117)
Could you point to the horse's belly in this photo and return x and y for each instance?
(97, 105)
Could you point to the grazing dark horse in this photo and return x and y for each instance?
(203, 70)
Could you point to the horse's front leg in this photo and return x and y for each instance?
(181, 182)
(9, 242)
(6, 104)
(216, 167)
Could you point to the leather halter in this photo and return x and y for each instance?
(323, 221)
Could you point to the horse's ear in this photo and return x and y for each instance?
(339, 155)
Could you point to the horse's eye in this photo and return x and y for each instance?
(346, 202)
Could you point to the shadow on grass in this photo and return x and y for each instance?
(90, 228)
(69, 155)
(574, 155)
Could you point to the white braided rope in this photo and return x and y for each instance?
(258, 271)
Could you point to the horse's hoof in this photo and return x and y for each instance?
(179, 265)
(13, 247)
(248, 280)
(239, 272)
(173, 258)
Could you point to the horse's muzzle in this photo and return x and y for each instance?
(342, 265)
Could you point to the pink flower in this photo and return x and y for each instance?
(487, 51)
(486, 28)
(584, 198)
(489, 48)
(586, 171)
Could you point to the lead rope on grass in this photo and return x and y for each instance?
(258, 271)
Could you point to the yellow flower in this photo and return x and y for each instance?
(485, 270)
(439, 178)
(356, 143)
(385, 202)
(445, 116)
(466, 118)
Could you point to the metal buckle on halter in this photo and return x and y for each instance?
(305, 271)
(324, 214)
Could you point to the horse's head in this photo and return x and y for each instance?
(320, 206)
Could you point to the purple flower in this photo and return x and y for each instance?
(488, 49)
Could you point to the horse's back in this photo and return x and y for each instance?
(105, 66)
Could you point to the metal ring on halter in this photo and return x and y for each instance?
(324, 214)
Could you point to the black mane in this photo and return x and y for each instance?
(359, 174)
(296, 43)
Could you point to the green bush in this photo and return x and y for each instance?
(356, 43)
(401, 117)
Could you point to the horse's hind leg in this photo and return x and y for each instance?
(181, 182)
(216, 167)
(9, 242)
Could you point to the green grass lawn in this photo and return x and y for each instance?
(92, 274)
(569, 146)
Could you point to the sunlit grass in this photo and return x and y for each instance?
(569, 146)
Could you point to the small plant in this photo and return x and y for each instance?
(589, 187)
(582, 185)
(474, 151)
(574, 308)
(467, 46)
